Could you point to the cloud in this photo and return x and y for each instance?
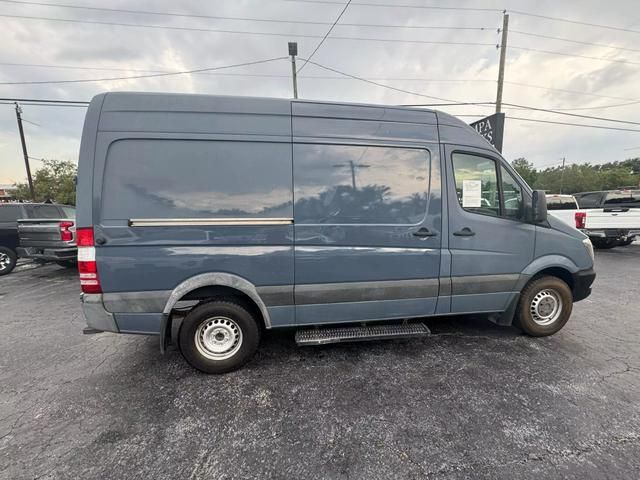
(473, 67)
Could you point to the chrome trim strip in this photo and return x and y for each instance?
(183, 222)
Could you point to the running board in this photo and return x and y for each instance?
(321, 336)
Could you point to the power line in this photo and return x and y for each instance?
(248, 19)
(565, 91)
(556, 112)
(244, 32)
(44, 104)
(577, 22)
(32, 123)
(152, 75)
(325, 35)
(550, 52)
(570, 40)
(602, 127)
(428, 7)
(381, 84)
(25, 100)
(319, 77)
(326, 77)
(326, 2)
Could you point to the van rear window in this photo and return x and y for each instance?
(164, 179)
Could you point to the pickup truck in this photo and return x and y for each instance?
(11, 213)
(48, 240)
(608, 218)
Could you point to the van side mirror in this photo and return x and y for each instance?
(539, 206)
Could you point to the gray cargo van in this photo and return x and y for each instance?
(218, 217)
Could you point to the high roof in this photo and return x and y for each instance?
(151, 106)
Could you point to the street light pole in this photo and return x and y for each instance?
(562, 175)
(293, 51)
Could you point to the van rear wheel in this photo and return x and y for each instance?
(219, 336)
(545, 306)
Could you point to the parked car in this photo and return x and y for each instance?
(610, 218)
(195, 211)
(10, 214)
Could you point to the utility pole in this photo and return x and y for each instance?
(562, 175)
(503, 54)
(24, 151)
(293, 51)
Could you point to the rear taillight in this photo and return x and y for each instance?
(66, 235)
(581, 219)
(89, 281)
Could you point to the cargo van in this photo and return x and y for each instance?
(207, 219)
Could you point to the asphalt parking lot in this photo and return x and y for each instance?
(472, 401)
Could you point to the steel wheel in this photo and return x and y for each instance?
(218, 338)
(546, 307)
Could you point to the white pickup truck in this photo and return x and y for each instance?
(609, 218)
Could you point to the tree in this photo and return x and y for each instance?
(54, 181)
(526, 170)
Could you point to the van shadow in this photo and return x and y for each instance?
(278, 348)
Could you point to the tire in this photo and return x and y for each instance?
(542, 295)
(604, 243)
(67, 263)
(219, 336)
(8, 259)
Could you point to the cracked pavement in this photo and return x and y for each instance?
(472, 401)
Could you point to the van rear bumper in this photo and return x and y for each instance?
(96, 315)
(582, 281)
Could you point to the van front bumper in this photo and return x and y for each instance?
(582, 281)
(96, 315)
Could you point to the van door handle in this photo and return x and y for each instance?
(465, 232)
(423, 233)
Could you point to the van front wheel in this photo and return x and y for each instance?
(545, 306)
(219, 336)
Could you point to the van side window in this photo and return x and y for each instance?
(346, 184)
(512, 195)
(169, 179)
(476, 183)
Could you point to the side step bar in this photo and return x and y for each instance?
(321, 336)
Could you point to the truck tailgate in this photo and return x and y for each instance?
(619, 218)
(43, 233)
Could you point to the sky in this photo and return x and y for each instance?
(461, 65)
